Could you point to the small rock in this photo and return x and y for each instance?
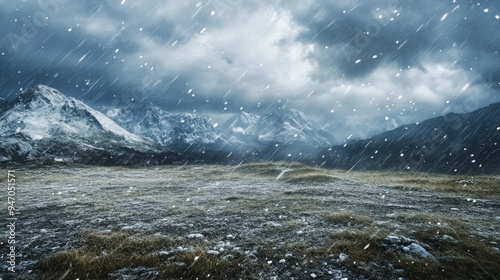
(313, 275)
(417, 250)
(227, 257)
(195, 236)
(213, 252)
(342, 257)
(407, 240)
(393, 239)
(272, 224)
(282, 261)
(180, 249)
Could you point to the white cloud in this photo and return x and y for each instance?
(256, 57)
(411, 94)
(256, 52)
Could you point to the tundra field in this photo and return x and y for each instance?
(252, 221)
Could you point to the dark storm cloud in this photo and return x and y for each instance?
(62, 60)
(52, 43)
(404, 59)
(401, 32)
(456, 42)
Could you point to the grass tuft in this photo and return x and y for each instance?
(312, 178)
(275, 169)
(105, 253)
(346, 219)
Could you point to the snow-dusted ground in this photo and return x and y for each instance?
(234, 212)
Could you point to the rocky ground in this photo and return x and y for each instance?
(253, 221)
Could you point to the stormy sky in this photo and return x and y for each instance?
(369, 61)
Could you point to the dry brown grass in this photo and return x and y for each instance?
(311, 178)
(268, 216)
(459, 256)
(104, 253)
(484, 186)
(274, 169)
(346, 219)
(360, 245)
(463, 257)
(467, 258)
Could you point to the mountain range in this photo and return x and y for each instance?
(166, 129)
(453, 143)
(42, 124)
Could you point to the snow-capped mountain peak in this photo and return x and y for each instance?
(289, 125)
(43, 112)
(42, 95)
(241, 123)
(167, 129)
(276, 126)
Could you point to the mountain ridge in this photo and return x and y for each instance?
(164, 128)
(42, 124)
(452, 143)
